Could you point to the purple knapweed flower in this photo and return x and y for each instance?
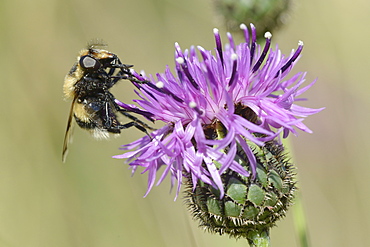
(243, 90)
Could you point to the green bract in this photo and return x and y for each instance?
(250, 203)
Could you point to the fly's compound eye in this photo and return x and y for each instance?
(88, 62)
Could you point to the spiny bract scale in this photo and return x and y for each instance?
(249, 203)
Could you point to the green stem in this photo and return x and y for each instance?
(258, 238)
(300, 222)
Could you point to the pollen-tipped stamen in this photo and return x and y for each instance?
(218, 45)
(193, 105)
(253, 42)
(268, 36)
(231, 41)
(234, 58)
(291, 60)
(185, 68)
(246, 33)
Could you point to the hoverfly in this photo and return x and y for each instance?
(93, 106)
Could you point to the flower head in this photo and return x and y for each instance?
(213, 107)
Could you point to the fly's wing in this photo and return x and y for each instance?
(69, 132)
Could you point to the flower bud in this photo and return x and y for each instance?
(267, 15)
(249, 204)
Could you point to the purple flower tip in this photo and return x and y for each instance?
(214, 107)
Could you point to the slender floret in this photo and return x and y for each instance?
(214, 106)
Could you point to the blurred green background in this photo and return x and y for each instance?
(91, 200)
